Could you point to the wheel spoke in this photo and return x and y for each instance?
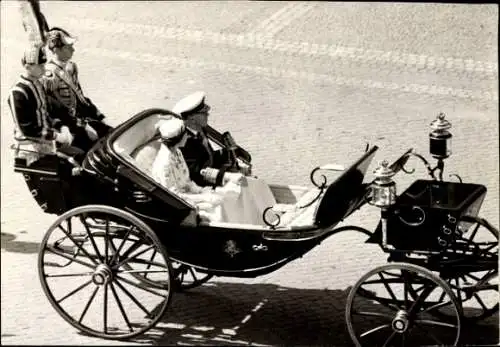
(106, 238)
(391, 337)
(91, 238)
(371, 331)
(486, 278)
(105, 320)
(88, 304)
(145, 262)
(69, 275)
(384, 302)
(191, 270)
(74, 291)
(474, 232)
(429, 333)
(436, 306)
(139, 286)
(133, 299)
(421, 298)
(80, 248)
(141, 271)
(120, 306)
(477, 279)
(435, 323)
(117, 252)
(136, 244)
(405, 293)
(135, 256)
(480, 301)
(150, 261)
(372, 314)
(72, 258)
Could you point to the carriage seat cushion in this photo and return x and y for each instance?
(140, 133)
(303, 212)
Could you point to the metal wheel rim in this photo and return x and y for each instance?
(108, 292)
(402, 267)
(455, 284)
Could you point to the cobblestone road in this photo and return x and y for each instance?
(298, 84)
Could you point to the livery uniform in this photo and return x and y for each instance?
(61, 83)
(34, 130)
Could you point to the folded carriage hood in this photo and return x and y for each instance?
(345, 194)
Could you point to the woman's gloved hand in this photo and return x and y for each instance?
(64, 136)
(234, 177)
(92, 134)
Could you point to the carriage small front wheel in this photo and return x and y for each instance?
(392, 305)
(187, 277)
(89, 264)
(476, 283)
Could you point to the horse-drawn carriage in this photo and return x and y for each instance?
(121, 235)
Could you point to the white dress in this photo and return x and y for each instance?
(171, 171)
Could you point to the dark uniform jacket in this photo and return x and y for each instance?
(28, 105)
(62, 84)
(197, 157)
(63, 87)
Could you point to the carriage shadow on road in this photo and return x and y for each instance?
(10, 245)
(268, 314)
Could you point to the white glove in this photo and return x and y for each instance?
(64, 136)
(91, 133)
(235, 177)
(245, 169)
(214, 199)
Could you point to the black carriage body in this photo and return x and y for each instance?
(426, 215)
(52, 185)
(236, 251)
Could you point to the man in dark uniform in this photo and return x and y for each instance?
(61, 82)
(199, 154)
(34, 129)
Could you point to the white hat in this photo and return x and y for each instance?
(171, 128)
(192, 103)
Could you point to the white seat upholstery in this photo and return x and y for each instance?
(139, 134)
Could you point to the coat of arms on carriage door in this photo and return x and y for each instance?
(231, 248)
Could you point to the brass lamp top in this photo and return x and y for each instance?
(383, 171)
(440, 123)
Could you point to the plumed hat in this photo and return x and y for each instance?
(34, 54)
(57, 37)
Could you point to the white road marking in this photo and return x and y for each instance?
(258, 41)
(282, 18)
(488, 95)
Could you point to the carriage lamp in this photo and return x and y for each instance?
(383, 188)
(440, 137)
(383, 191)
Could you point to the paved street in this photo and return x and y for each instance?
(298, 84)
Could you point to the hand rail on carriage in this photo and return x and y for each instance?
(77, 168)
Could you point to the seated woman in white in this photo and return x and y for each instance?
(171, 171)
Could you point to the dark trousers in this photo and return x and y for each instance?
(81, 139)
(100, 127)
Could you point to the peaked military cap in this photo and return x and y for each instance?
(57, 37)
(191, 104)
(34, 54)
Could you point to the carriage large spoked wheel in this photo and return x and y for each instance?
(477, 288)
(92, 264)
(186, 277)
(381, 311)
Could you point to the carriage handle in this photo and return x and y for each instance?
(439, 168)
